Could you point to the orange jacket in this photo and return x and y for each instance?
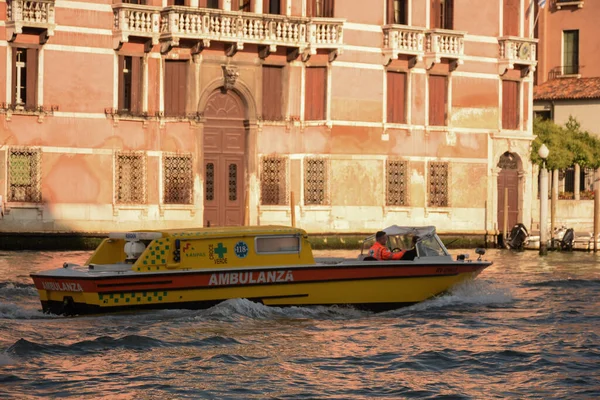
(381, 252)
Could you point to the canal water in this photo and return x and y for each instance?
(527, 328)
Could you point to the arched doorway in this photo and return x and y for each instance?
(508, 187)
(224, 152)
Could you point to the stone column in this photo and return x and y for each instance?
(577, 179)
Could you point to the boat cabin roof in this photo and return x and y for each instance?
(420, 231)
(231, 231)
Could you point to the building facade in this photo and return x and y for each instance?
(568, 85)
(186, 113)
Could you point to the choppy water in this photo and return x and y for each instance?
(528, 327)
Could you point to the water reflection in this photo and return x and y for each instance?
(526, 328)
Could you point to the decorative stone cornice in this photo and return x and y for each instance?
(35, 16)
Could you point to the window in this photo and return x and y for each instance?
(175, 87)
(24, 77)
(210, 182)
(571, 52)
(438, 100)
(273, 181)
(176, 2)
(272, 92)
(397, 12)
(178, 179)
(272, 6)
(320, 8)
(141, 2)
(130, 84)
(438, 184)
(278, 244)
(209, 4)
(396, 183)
(396, 97)
(316, 172)
(24, 175)
(130, 178)
(442, 14)
(510, 104)
(314, 97)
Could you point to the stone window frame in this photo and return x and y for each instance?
(185, 177)
(140, 199)
(434, 201)
(307, 176)
(282, 173)
(403, 187)
(34, 154)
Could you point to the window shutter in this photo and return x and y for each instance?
(136, 85)
(31, 67)
(328, 8)
(390, 12)
(396, 97)
(120, 67)
(316, 82)
(511, 18)
(14, 82)
(181, 87)
(169, 88)
(510, 104)
(449, 14)
(272, 93)
(437, 100)
(435, 13)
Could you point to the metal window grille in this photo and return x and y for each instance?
(233, 182)
(396, 183)
(24, 175)
(130, 178)
(316, 172)
(438, 184)
(178, 179)
(210, 182)
(274, 182)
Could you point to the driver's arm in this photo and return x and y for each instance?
(386, 254)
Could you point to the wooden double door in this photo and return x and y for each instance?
(508, 187)
(224, 160)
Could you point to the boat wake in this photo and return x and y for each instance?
(10, 290)
(567, 283)
(13, 311)
(473, 292)
(234, 309)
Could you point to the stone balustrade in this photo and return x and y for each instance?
(441, 43)
(516, 51)
(170, 25)
(33, 15)
(135, 20)
(402, 39)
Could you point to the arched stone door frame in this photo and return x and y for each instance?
(251, 169)
(520, 149)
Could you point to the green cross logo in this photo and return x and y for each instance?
(220, 250)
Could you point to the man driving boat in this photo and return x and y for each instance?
(380, 251)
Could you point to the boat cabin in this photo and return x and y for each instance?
(225, 247)
(418, 241)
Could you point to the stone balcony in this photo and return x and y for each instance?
(137, 22)
(30, 16)
(198, 27)
(403, 40)
(441, 43)
(516, 51)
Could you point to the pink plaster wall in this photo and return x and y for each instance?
(76, 88)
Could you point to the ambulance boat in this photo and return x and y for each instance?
(272, 265)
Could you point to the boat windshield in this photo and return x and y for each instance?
(430, 246)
